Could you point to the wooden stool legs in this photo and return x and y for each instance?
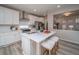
(53, 51)
(49, 52)
(56, 48)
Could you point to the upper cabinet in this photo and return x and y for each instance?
(33, 18)
(1, 15)
(15, 17)
(8, 16)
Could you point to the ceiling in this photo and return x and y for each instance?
(43, 9)
(70, 13)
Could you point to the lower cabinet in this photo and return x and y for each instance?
(8, 38)
(25, 45)
(28, 46)
(2, 42)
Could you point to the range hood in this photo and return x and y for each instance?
(24, 15)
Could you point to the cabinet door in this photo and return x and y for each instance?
(2, 41)
(9, 38)
(6, 39)
(1, 15)
(25, 45)
(5, 15)
(16, 36)
(15, 17)
(8, 16)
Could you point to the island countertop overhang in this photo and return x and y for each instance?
(39, 36)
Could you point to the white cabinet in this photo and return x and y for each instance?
(8, 16)
(15, 17)
(25, 45)
(1, 15)
(28, 45)
(1, 41)
(35, 18)
(8, 38)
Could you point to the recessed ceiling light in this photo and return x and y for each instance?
(58, 6)
(34, 10)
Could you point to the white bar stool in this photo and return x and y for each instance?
(51, 44)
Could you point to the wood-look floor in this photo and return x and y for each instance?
(13, 49)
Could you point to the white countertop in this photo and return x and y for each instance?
(5, 33)
(39, 36)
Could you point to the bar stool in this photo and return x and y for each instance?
(51, 45)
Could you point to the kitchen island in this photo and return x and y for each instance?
(31, 43)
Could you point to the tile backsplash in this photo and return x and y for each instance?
(4, 29)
